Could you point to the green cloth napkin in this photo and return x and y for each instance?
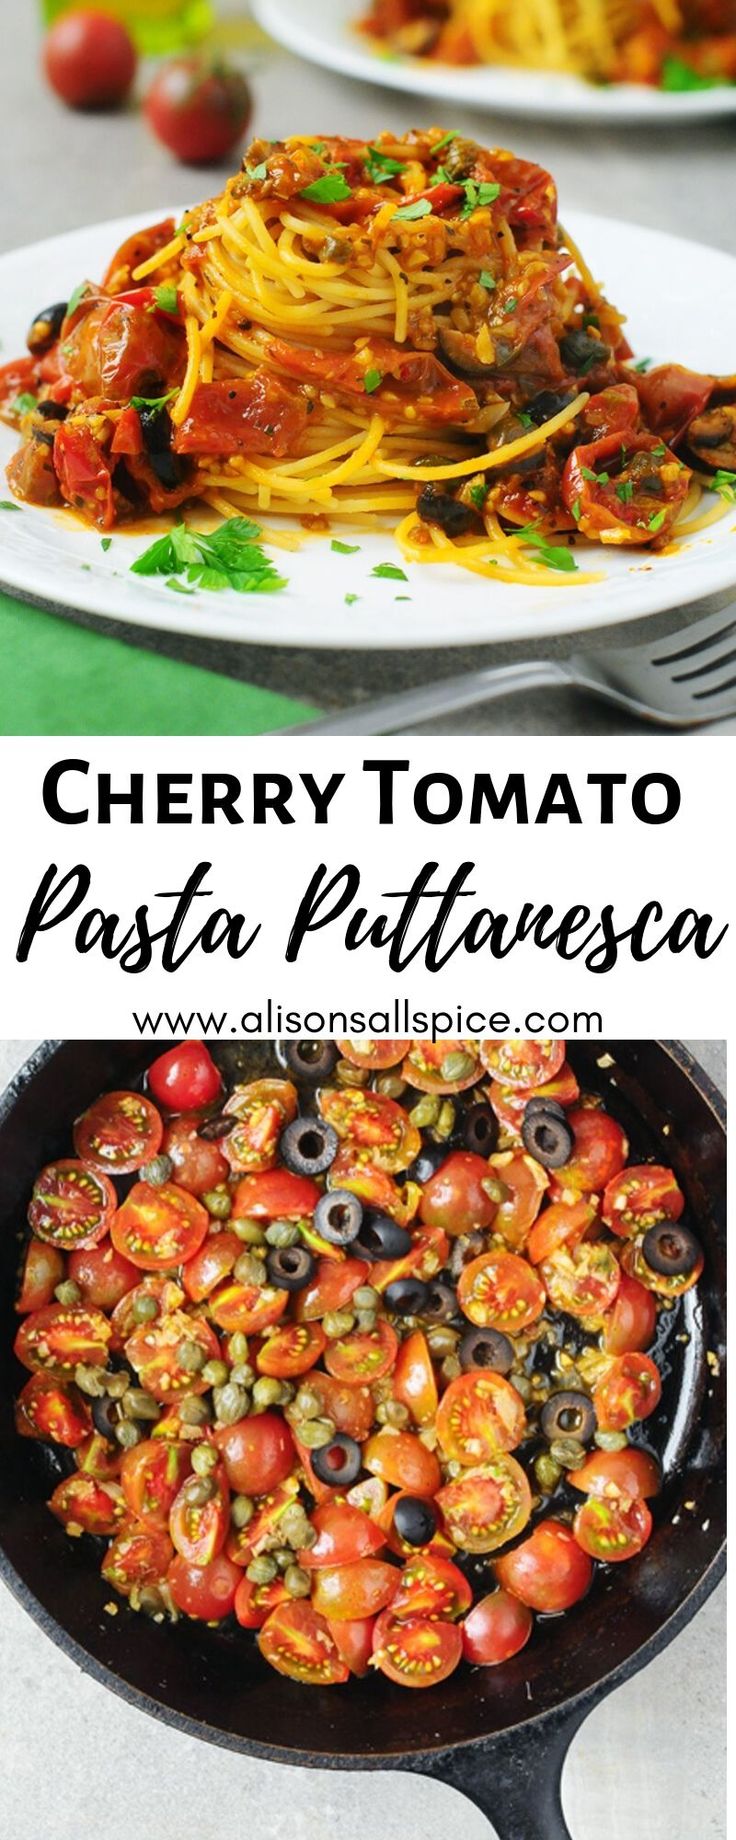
(57, 678)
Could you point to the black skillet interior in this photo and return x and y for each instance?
(213, 1681)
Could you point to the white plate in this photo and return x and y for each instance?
(47, 557)
(324, 32)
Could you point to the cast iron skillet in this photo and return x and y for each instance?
(498, 1734)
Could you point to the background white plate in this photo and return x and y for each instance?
(47, 557)
(324, 32)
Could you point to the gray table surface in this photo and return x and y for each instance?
(65, 170)
(649, 1760)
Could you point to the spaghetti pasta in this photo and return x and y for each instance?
(370, 332)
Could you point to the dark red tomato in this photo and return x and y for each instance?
(263, 1530)
(417, 378)
(166, 1295)
(373, 1054)
(629, 1391)
(154, 1349)
(351, 1407)
(262, 1109)
(627, 488)
(199, 111)
(185, 1078)
(559, 1229)
(71, 1205)
(385, 1516)
(671, 396)
(631, 1324)
(456, 1198)
(298, 1642)
(414, 1383)
(97, 1457)
(330, 1287)
(159, 1227)
(510, 1102)
(118, 1133)
(213, 1262)
(427, 1254)
(372, 1123)
(374, 1187)
(497, 1628)
(151, 1476)
(487, 1506)
(291, 1351)
(198, 1165)
(84, 476)
(402, 1459)
(62, 1337)
(549, 1571)
(584, 1281)
(431, 1585)
(349, 1591)
(18, 378)
(522, 1064)
(600, 1151)
(254, 1602)
(258, 1453)
(275, 1194)
(51, 1408)
(205, 1591)
(425, 1061)
(89, 59)
(641, 1197)
(416, 1653)
(663, 1284)
(80, 1501)
(499, 1290)
(478, 1415)
(247, 1309)
(363, 1356)
(344, 1534)
(353, 1639)
(612, 1529)
(525, 1183)
(199, 1528)
(242, 416)
(137, 1556)
(611, 410)
(631, 1473)
(43, 1269)
(135, 250)
(104, 1277)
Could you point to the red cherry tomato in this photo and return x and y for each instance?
(526, 1184)
(425, 1063)
(630, 1390)
(414, 1383)
(499, 1290)
(154, 1348)
(373, 1054)
(62, 1337)
(151, 1476)
(82, 1501)
(351, 1407)
(427, 1254)
(89, 59)
(673, 1284)
(50, 1408)
(43, 1269)
(386, 1518)
(349, 1591)
(254, 1602)
(291, 1351)
(262, 1109)
(353, 1639)
(166, 1295)
(402, 1459)
(198, 1165)
(600, 1151)
(497, 1628)
(559, 1227)
(185, 1079)
(275, 1194)
(344, 1534)
(631, 1323)
(198, 1528)
(200, 114)
(71, 1206)
(641, 1197)
(371, 1123)
(487, 1506)
(297, 1642)
(417, 1653)
(159, 1227)
(630, 1472)
(262, 1531)
(331, 1287)
(510, 1102)
(430, 1585)
(456, 1198)
(104, 1277)
(118, 1133)
(137, 1556)
(363, 1356)
(247, 1309)
(258, 1453)
(583, 1282)
(522, 1064)
(205, 1591)
(214, 1261)
(612, 1529)
(478, 1415)
(549, 1571)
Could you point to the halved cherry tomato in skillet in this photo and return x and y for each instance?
(82, 1501)
(629, 1391)
(478, 1415)
(548, 1571)
(599, 1153)
(626, 488)
(416, 1653)
(71, 1205)
(641, 1197)
(291, 1351)
(198, 1164)
(425, 1061)
(50, 1408)
(559, 1229)
(437, 1545)
(374, 1054)
(247, 1309)
(104, 1277)
(151, 1476)
(262, 1109)
(159, 1227)
(414, 1383)
(510, 1102)
(456, 1198)
(353, 1639)
(214, 1261)
(245, 1543)
(631, 1324)
(497, 1628)
(118, 1133)
(402, 1459)
(612, 1529)
(373, 1123)
(662, 1284)
(345, 1592)
(526, 1183)
(154, 1348)
(630, 1472)
(275, 1194)
(522, 1064)
(426, 1256)
(297, 1642)
(351, 1407)
(166, 1294)
(374, 1187)
(253, 1603)
(583, 1281)
(330, 1287)
(344, 1534)
(258, 1453)
(43, 1269)
(208, 1592)
(62, 1337)
(199, 1528)
(96, 1456)
(363, 1356)
(486, 1506)
(185, 1078)
(499, 1290)
(137, 1556)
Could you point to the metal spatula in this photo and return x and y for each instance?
(682, 681)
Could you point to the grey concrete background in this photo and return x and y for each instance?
(649, 1760)
(66, 170)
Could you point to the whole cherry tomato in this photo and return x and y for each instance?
(185, 1079)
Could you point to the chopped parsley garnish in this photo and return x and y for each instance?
(350, 599)
(8, 504)
(478, 495)
(576, 509)
(553, 555)
(389, 571)
(229, 558)
(656, 520)
(597, 479)
(527, 420)
(676, 75)
(625, 491)
(445, 142)
(105, 543)
(642, 365)
(260, 172)
(75, 297)
(380, 167)
(344, 549)
(478, 195)
(419, 207)
(722, 482)
(166, 297)
(24, 403)
(178, 586)
(152, 402)
(659, 451)
(372, 380)
(330, 189)
(511, 303)
(487, 280)
(402, 597)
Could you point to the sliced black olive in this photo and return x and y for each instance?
(45, 327)
(157, 431)
(338, 1462)
(486, 1348)
(581, 352)
(440, 1303)
(52, 411)
(309, 1060)
(671, 1249)
(338, 1216)
(426, 1164)
(308, 1146)
(568, 1415)
(105, 1415)
(540, 1104)
(450, 514)
(290, 1267)
(214, 1128)
(415, 1520)
(460, 157)
(406, 1296)
(548, 1138)
(548, 403)
(480, 1129)
(380, 1237)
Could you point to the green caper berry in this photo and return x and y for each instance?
(267, 1392)
(446, 1122)
(547, 1472)
(365, 1320)
(365, 1298)
(216, 1373)
(298, 1582)
(217, 1202)
(91, 1380)
(282, 1234)
(568, 1452)
(316, 1432)
(243, 1374)
(391, 1085)
(230, 1403)
(137, 1403)
(237, 1348)
(392, 1412)
(337, 1323)
(306, 1404)
(159, 1170)
(150, 1600)
(242, 1510)
(294, 1524)
(248, 1269)
(611, 1440)
(191, 1357)
(67, 1292)
(262, 1570)
(451, 1367)
(128, 1435)
(283, 1556)
(250, 1232)
(347, 1075)
(199, 1490)
(193, 1411)
(425, 1112)
(457, 1066)
(204, 1459)
(117, 1384)
(442, 1340)
(145, 1309)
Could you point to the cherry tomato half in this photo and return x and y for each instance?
(275, 1194)
(344, 1534)
(612, 1529)
(600, 1151)
(487, 1506)
(262, 1109)
(559, 1227)
(497, 1628)
(549, 1571)
(363, 1356)
(331, 1287)
(254, 1602)
(159, 1227)
(43, 1269)
(151, 1476)
(499, 1290)
(630, 1390)
(185, 1079)
(154, 1349)
(525, 1183)
(478, 1415)
(118, 1133)
(428, 1066)
(372, 1123)
(208, 1592)
(349, 1591)
(373, 1054)
(62, 1337)
(663, 1284)
(353, 1639)
(414, 1383)
(104, 1277)
(137, 1556)
(631, 1324)
(402, 1459)
(456, 1198)
(291, 1351)
(416, 1653)
(215, 1260)
(71, 1205)
(630, 1472)
(522, 1064)
(510, 1102)
(297, 1641)
(431, 1585)
(80, 1501)
(199, 1528)
(584, 1281)
(50, 1408)
(641, 1197)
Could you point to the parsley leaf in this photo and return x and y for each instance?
(598, 479)
(228, 558)
(478, 195)
(24, 403)
(380, 167)
(445, 141)
(642, 365)
(527, 420)
(659, 452)
(722, 482)
(8, 504)
(178, 586)
(257, 174)
(344, 549)
(677, 76)
(105, 543)
(152, 402)
(419, 207)
(576, 509)
(389, 571)
(625, 491)
(486, 280)
(166, 297)
(330, 189)
(350, 599)
(656, 520)
(75, 297)
(478, 495)
(511, 303)
(553, 555)
(372, 380)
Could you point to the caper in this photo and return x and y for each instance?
(568, 1452)
(117, 1384)
(242, 1510)
(365, 1320)
(457, 1066)
(216, 1373)
(283, 1556)
(347, 1075)
(337, 1323)
(267, 1392)
(68, 1292)
(307, 1404)
(91, 1380)
(159, 1170)
(315, 1432)
(200, 1490)
(204, 1459)
(294, 1525)
(191, 1357)
(282, 1234)
(250, 1232)
(610, 1440)
(451, 1367)
(218, 1203)
(298, 1582)
(441, 1340)
(137, 1403)
(547, 1471)
(262, 1570)
(127, 1434)
(446, 1122)
(391, 1085)
(392, 1412)
(365, 1298)
(194, 1411)
(248, 1269)
(243, 1374)
(237, 1347)
(145, 1308)
(425, 1112)
(230, 1403)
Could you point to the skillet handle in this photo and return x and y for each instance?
(515, 1779)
